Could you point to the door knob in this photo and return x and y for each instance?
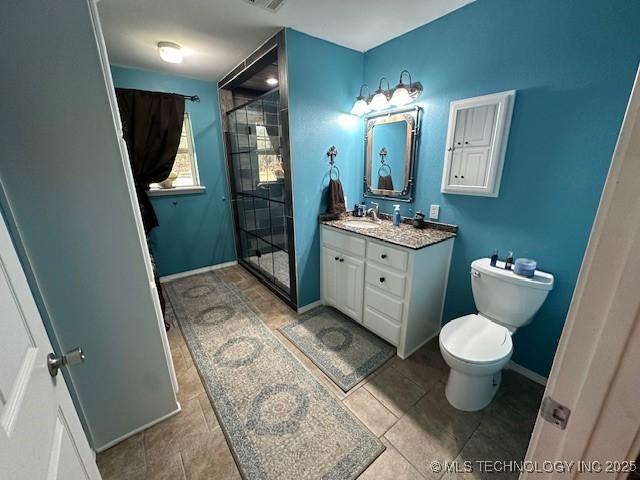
(72, 357)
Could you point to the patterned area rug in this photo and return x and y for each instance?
(341, 348)
(281, 423)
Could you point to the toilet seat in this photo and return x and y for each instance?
(475, 339)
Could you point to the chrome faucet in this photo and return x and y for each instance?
(374, 210)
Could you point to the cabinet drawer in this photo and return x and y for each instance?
(391, 257)
(385, 280)
(383, 303)
(377, 323)
(345, 242)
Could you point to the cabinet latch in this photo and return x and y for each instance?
(554, 412)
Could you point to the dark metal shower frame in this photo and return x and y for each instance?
(238, 75)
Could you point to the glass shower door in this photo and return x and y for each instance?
(260, 191)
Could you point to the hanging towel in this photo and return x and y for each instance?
(385, 182)
(336, 197)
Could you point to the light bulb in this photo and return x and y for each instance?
(170, 52)
(271, 81)
(360, 107)
(400, 96)
(379, 101)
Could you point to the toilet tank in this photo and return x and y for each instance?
(507, 298)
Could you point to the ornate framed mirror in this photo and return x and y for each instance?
(390, 145)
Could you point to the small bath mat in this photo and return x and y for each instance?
(340, 347)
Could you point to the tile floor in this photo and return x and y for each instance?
(403, 403)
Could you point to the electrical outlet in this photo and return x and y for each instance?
(434, 212)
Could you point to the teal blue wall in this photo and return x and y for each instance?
(195, 230)
(322, 80)
(572, 64)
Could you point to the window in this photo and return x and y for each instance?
(269, 162)
(185, 168)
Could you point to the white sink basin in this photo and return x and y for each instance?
(360, 224)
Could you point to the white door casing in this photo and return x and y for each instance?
(40, 433)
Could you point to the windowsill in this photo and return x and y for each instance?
(157, 192)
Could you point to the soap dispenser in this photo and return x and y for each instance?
(396, 215)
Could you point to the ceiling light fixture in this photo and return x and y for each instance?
(360, 106)
(272, 81)
(401, 95)
(170, 52)
(380, 100)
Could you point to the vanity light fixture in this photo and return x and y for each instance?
(380, 100)
(170, 52)
(401, 95)
(361, 107)
(271, 81)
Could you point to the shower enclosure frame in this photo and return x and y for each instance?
(238, 75)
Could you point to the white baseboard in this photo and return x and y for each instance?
(309, 306)
(138, 430)
(175, 276)
(525, 372)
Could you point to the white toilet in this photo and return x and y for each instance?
(478, 346)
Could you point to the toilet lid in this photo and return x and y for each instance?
(476, 339)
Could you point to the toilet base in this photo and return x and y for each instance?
(471, 392)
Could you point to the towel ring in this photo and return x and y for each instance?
(380, 170)
(332, 153)
(383, 156)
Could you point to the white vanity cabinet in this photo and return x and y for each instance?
(393, 291)
(476, 144)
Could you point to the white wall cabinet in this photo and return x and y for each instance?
(476, 144)
(395, 292)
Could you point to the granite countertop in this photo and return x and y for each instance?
(404, 235)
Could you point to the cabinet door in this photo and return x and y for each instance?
(474, 165)
(330, 262)
(455, 178)
(350, 284)
(478, 127)
(458, 134)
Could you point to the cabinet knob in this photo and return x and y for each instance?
(383, 256)
(461, 176)
(455, 176)
(336, 258)
(342, 259)
(381, 279)
(459, 143)
(450, 149)
(466, 143)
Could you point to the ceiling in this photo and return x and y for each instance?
(219, 34)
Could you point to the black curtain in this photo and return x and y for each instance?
(151, 125)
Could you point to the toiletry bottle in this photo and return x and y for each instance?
(494, 257)
(396, 215)
(509, 261)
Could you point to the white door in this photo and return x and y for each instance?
(40, 433)
(479, 124)
(350, 286)
(474, 166)
(330, 260)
